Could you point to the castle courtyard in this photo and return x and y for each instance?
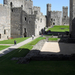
(58, 48)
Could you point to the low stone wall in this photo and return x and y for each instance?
(52, 57)
(33, 53)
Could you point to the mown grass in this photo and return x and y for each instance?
(53, 39)
(36, 41)
(9, 67)
(59, 28)
(11, 41)
(3, 47)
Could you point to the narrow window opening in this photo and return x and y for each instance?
(11, 4)
(4, 31)
(25, 18)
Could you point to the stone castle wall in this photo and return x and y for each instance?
(5, 22)
(56, 17)
(27, 4)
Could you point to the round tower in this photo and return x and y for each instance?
(48, 7)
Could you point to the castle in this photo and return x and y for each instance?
(57, 17)
(19, 18)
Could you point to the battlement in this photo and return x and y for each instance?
(35, 8)
(28, 0)
(56, 11)
(48, 5)
(65, 7)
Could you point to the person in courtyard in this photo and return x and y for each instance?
(14, 42)
(32, 37)
(42, 35)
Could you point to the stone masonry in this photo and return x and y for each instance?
(56, 18)
(19, 18)
(72, 18)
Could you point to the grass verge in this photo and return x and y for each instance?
(11, 41)
(59, 28)
(3, 47)
(53, 39)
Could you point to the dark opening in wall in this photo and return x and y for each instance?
(12, 10)
(51, 19)
(21, 5)
(64, 16)
(53, 23)
(25, 18)
(4, 31)
(11, 4)
(0, 36)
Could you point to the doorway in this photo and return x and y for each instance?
(25, 33)
(0, 36)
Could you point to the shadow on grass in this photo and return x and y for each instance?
(12, 52)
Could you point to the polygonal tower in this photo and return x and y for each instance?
(48, 15)
(72, 18)
(65, 18)
(65, 12)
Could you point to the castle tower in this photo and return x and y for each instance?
(72, 18)
(48, 15)
(5, 1)
(65, 12)
(65, 18)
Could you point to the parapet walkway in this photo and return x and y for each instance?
(9, 49)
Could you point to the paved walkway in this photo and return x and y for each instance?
(58, 48)
(9, 49)
(7, 44)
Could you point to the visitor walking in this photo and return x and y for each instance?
(14, 42)
(32, 37)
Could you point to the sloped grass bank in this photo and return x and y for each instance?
(9, 67)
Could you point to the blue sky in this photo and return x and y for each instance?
(56, 4)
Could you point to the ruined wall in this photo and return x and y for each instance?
(56, 18)
(5, 22)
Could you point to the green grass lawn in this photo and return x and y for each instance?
(59, 28)
(53, 39)
(3, 47)
(11, 41)
(9, 67)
